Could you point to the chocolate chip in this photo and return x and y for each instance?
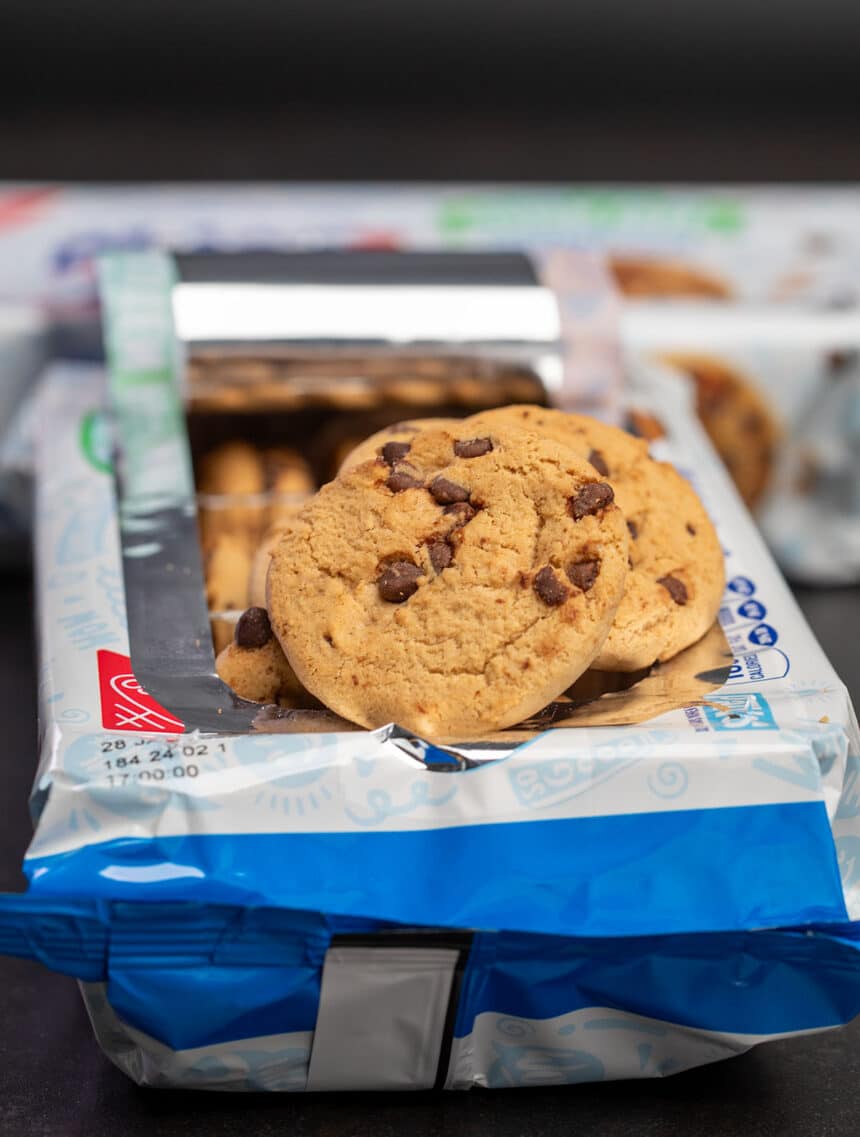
(461, 513)
(633, 529)
(398, 581)
(841, 360)
(583, 574)
(643, 425)
(676, 588)
(441, 555)
(473, 447)
(711, 394)
(599, 463)
(253, 628)
(446, 492)
(691, 529)
(394, 452)
(549, 588)
(399, 480)
(593, 497)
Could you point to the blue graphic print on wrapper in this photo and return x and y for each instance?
(516, 1065)
(741, 585)
(380, 805)
(758, 666)
(669, 780)
(541, 784)
(849, 803)
(276, 1071)
(308, 782)
(752, 610)
(739, 712)
(110, 585)
(84, 534)
(763, 635)
(76, 716)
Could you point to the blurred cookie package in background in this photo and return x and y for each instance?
(748, 294)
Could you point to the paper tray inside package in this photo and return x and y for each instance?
(329, 910)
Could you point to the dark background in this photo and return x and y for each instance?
(400, 89)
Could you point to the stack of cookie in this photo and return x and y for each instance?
(457, 576)
(219, 382)
(247, 497)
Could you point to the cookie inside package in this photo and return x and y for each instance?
(406, 723)
(778, 397)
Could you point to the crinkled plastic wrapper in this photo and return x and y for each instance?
(641, 881)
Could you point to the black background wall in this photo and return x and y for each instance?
(535, 89)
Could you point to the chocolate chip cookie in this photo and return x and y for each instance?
(227, 566)
(231, 480)
(394, 440)
(244, 489)
(254, 665)
(676, 578)
(262, 558)
(456, 587)
(232, 468)
(739, 421)
(640, 277)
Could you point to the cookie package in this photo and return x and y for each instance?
(748, 292)
(659, 869)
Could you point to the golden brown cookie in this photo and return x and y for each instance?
(260, 562)
(287, 472)
(254, 665)
(653, 277)
(223, 629)
(288, 480)
(454, 588)
(227, 567)
(232, 468)
(674, 588)
(231, 480)
(392, 439)
(739, 421)
(415, 390)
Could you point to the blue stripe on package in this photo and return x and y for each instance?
(632, 874)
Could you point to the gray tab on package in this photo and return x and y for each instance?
(381, 1018)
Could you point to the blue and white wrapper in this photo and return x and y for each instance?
(327, 911)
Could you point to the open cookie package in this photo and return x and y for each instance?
(659, 868)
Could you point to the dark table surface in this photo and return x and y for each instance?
(54, 1081)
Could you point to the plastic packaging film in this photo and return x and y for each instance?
(627, 893)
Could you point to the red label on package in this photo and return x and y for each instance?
(17, 207)
(125, 705)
